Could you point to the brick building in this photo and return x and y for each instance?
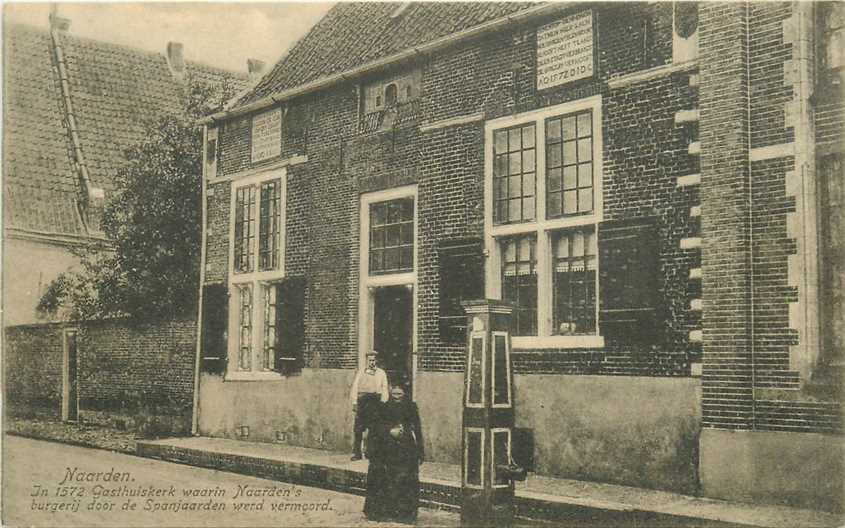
(645, 182)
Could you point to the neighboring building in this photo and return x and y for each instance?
(640, 180)
(71, 108)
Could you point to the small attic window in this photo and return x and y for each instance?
(399, 10)
(390, 94)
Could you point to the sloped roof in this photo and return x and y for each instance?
(38, 181)
(113, 89)
(356, 33)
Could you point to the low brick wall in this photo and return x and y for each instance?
(135, 375)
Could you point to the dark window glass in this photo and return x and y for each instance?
(392, 236)
(569, 164)
(574, 282)
(390, 94)
(514, 174)
(519, 282)
(270, 225)
(244, 229)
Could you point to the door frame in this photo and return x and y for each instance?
(367, 284)
(66, 374)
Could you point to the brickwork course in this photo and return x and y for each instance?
(708, 148)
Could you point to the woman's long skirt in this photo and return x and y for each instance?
(393, 489)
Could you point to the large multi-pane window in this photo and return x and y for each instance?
(257, 268)
(514, 175)
(392, 236)
(543, 205)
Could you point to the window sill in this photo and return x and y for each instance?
(253, 376)
(535, 342)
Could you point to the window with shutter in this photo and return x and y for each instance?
(543, 202)
(257, 249)
(215, 317)
(629, 256)
(289, 325)
(461, 279)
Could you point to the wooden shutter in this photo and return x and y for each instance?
(290, 325)
(461, 279)
(215, 320)
(629, 279)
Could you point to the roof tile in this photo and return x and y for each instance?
(112, 88)
(355, 33)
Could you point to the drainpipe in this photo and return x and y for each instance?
(198, 355)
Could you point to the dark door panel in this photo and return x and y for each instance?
(393, 330)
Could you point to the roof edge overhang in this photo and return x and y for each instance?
(527, 15)
(56, 239)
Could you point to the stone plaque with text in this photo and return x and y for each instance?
(267, 135)
(565, 50)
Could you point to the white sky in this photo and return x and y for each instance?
(215, 33)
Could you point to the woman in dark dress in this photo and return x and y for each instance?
(396, 452)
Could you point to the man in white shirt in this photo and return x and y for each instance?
(368, 389)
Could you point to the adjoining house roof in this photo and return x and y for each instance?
(39, 185)
(112, 88)
(353, 34)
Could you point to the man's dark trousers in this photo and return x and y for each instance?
(364, 415)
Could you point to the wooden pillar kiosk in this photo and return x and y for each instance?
(487, 472)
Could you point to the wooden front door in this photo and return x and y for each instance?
(393, 331)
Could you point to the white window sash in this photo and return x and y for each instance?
(259, 280)
(543, 228)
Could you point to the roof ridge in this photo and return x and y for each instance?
(116, 45)
(249, 90)
(335, 45)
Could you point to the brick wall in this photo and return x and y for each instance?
(121, 362)
(124, 367)
(749, 196)
(32, 357)
(726, 269)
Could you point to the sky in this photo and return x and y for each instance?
(223, 34)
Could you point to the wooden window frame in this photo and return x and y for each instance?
(259, 280)
(543, 227)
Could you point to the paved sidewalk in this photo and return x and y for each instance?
(538, 497)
